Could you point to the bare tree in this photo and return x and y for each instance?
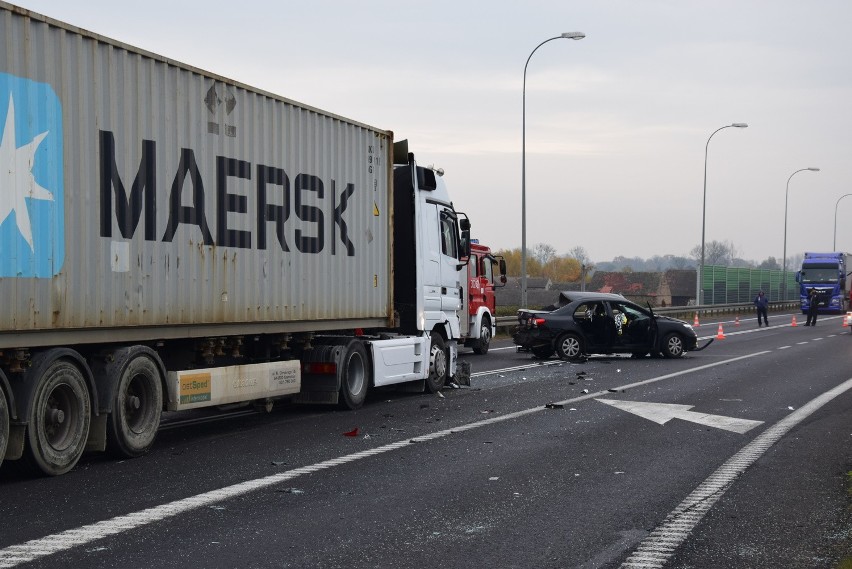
(579, 252)
(770, 263)
(715, 253)
(544, 252)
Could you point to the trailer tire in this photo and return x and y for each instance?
(438, 364)
(136, 408)
(59, 419)
(354, 376)
(481, 345)
(4, 425)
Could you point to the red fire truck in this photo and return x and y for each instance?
(479, 304)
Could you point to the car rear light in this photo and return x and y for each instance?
(536, 322)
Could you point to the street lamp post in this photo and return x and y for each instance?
(784, 258)
(704, 209)
(567, 35)
(834, 243)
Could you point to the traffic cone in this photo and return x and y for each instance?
(794, 321)
(737, 321)
(846, 321)
(695, 321)
(720, 335)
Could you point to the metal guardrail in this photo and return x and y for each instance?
(687, 312)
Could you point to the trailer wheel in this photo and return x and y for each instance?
(59, 419)
(137, 405)
(4, 425)
(481, 345)
(438, 367)
(354, 376)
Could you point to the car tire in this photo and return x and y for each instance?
(542, 352)
(672, 345)
(569, 347)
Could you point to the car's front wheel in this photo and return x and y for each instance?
(673, 345)
(569, 347)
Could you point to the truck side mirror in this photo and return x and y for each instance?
(502, 265)
(464, 250)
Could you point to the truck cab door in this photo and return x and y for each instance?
(442, 279)
(451, 277)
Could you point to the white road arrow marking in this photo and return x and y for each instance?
(661, 413)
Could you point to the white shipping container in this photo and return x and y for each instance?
(149, 196)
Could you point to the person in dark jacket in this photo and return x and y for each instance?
(813, 307)
(762, 304)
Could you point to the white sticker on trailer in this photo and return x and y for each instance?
(233, 384)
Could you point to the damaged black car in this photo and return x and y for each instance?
(601, 323)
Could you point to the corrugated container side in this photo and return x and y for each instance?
(158, 195)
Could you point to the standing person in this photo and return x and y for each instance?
(762, 304)
(813, 306)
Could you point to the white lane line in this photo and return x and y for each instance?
(801, 343)
(783, 347)
(661, 544)
(531, 365)
(15, 555)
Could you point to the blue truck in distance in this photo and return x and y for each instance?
(827, 273)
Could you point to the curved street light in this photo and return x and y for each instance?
(566, 35)
(704, 210)
(834, 243)
(784, 258)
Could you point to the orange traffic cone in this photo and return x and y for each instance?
(846, 321)
(737, 321)
(720, 335)
(794, 321)
(695, 321)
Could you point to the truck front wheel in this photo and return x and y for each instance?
(60, 414)
(136, 408)
(438, 364)
(481, 345)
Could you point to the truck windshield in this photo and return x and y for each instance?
(823, 273)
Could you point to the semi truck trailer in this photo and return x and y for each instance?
(171, 239)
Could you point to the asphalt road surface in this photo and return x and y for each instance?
(736, 456)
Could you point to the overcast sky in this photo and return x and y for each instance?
(616, 123)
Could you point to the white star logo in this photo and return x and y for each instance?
(16, 177)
